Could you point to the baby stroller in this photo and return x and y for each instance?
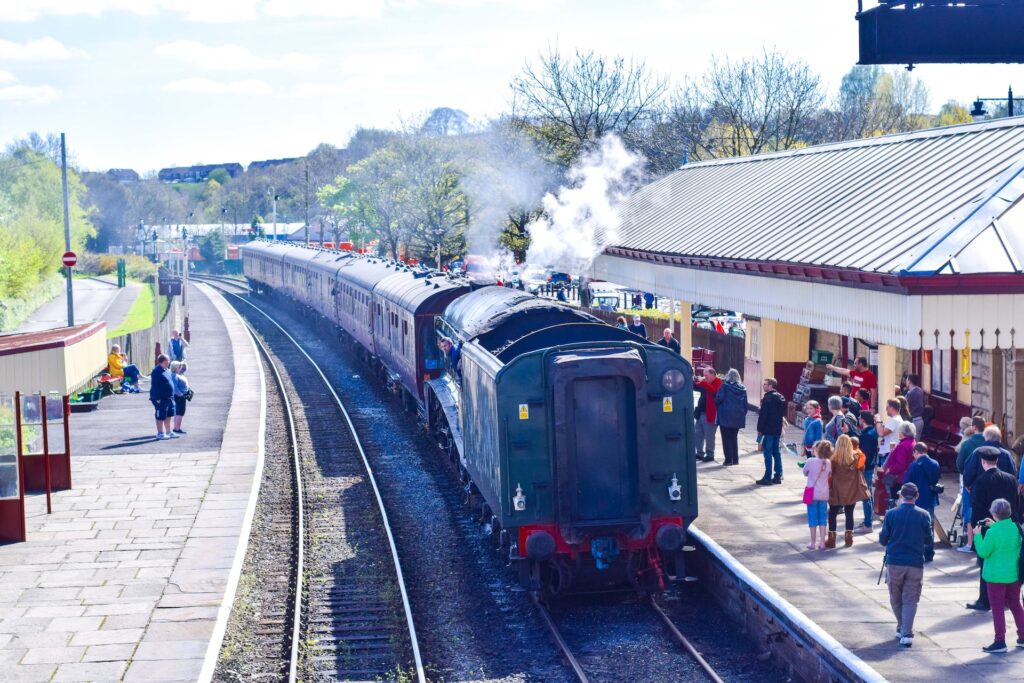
(957, 525)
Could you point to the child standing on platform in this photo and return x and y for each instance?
(818, 470)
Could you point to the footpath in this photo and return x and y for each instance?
(765, 528)
(95, 299)
(133, 575)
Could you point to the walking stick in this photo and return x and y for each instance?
(885, 558)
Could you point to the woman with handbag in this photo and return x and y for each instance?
(182, 394)
(846, 488)
(818, 470)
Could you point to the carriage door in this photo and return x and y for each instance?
(600, 448)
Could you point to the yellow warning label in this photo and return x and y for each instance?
(666, 404)
(524, 411)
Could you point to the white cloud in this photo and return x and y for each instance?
(318, 89)
(232, 57)
(215, 11)
(42, 50)
(335, 9)
(6, 77)
(28, 94)
(209, 86)
(385, 63)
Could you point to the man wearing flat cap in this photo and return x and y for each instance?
(992, 484)
(905, 534)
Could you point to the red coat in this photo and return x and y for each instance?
(711, 389)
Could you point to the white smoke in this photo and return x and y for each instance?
(508, 178)
(582, 218)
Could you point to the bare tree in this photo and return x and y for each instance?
(763, 104)
(569, 102)
(873, 101)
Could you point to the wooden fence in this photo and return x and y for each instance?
(141, 346)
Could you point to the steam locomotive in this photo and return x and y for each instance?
(574, 438)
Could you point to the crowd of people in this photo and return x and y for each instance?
(852, 456)
(169, 389)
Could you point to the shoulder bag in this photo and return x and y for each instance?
(809, 490)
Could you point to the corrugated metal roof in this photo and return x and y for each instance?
(902, 204)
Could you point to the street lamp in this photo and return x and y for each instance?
(223, 212)
(978, 109)
(273, 199)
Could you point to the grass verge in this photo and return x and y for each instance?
(140, 315)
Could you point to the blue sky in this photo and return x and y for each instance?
(152, 83)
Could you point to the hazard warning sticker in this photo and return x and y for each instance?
(666, 404)
(524, 411)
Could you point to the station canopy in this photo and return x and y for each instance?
(915, 240)
(63, 359)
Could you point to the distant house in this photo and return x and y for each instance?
(123, 175)
(267, 163)
(195, 174)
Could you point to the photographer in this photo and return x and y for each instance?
(924, 474)
(1000, 547)
(992, 485)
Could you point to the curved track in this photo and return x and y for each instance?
(347, 622)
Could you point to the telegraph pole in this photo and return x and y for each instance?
(67, 226)
(307, 201)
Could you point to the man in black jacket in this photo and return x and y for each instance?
(769, 430)
(993, 483)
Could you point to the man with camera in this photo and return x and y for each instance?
(990, 486)
(924, 474)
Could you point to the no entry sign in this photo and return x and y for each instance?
(69, 259)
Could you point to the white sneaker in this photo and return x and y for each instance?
(965, 549)
(171, 435)
(861, 529)
(161, 436)
(907, 641)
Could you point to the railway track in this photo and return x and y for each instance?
(351, 618)
(669, 632)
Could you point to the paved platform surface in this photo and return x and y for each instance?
(95, 299)
(131, 577)
(123, 423)
(765, 528)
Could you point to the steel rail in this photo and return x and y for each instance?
(685, 642)
(559, 640)
(407, 607)
(293, 659)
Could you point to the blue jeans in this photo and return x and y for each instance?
(817, 513)
(131, 373)
(770, 444)
(965, 505)
(869, 477)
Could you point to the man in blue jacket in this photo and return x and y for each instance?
(869, 447)
(924, 473)
(161, 395)
(905, 534)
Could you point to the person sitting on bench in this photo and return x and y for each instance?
(118, 366)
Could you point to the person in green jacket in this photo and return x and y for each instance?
(1000, 548)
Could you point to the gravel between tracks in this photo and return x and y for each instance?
(255, 644)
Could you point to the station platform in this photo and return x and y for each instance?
(765, 528)
(132, 576)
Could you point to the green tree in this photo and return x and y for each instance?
(952, 113)
(212, 248)
(220, 175)
(32, 217)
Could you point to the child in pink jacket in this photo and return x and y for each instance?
(818, 470)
